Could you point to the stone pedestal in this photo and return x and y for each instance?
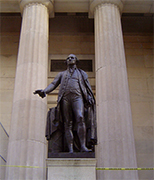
(71, 168)
(116, 146)
(27, 144)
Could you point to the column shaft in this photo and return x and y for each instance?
(27, 145)
(115, 131)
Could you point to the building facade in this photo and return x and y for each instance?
(114, 41)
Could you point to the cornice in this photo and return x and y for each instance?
(75, 6)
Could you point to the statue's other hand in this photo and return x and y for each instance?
(40, 92)
(90, 100)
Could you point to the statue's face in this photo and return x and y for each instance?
(71, 59)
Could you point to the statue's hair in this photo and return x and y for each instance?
(77, 60)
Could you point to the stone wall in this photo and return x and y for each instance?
(139, 57)
(8, 57)
(3, 150)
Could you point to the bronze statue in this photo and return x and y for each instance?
(74, 99)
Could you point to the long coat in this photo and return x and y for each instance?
(62, 80)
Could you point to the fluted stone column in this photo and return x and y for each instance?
(116, 146)
(27, 144)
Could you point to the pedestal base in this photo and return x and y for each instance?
(71, 168)
(72, 155)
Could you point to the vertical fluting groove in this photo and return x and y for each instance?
(97, 48)
(96, 41)
(39, 37)
(30, 33)
(100, 43)
(111, 26)
(115, 63)
(104, 32)
(37, 33)
(104, 46)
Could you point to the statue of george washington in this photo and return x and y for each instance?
(75, 111)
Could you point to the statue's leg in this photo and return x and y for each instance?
(78, 109)
(67, 116)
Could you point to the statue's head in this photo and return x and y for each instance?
(72, 59)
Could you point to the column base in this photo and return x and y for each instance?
(71, 168)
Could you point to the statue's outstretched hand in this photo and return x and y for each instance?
(40, 92)
(90, 100)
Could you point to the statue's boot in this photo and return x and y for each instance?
(69, 137)
(82, 137)
(85, 149)
(70, 147)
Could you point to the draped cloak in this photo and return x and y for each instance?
(54, 116)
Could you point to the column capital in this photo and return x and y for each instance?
(47, 3)
(95, 3)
